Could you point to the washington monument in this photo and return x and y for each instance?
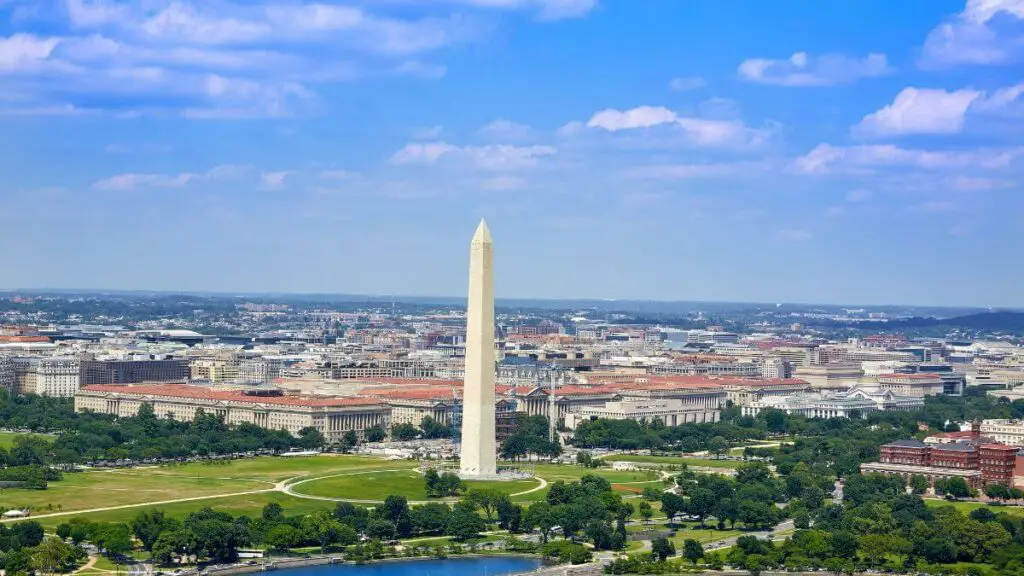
(478, 444)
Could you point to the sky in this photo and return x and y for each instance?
(853, 151)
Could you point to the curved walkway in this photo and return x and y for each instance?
(288, 487)
(284, 486)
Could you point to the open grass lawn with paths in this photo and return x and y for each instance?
(127, 486)
(379, 485)
(219, 485)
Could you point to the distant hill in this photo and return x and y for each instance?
(1004, 321)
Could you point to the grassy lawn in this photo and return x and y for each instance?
(627, 480)
(673, 460)
(85, 490)
(277, 468)
(7, 438)
(379, 485)
(247, 505)
(106, 488)
(966, 507)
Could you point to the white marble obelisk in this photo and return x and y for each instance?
(478, 444)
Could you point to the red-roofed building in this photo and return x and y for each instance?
(332, 416)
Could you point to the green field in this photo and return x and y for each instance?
(966, 507)
(127, 486)
(248, 505)
(7, 438)
(673, 460)
(379, 485)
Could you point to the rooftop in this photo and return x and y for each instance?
(187, 391)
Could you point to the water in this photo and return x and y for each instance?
(493, 566)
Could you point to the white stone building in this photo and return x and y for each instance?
(857, 400)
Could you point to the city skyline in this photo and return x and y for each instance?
(660, 151)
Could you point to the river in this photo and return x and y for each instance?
(477, 566)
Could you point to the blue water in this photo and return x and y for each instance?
(495, 566)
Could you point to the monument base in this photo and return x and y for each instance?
(500, 476)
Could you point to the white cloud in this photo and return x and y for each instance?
(699, 131)
(972, 38)
(826, 158)
(183, 56)
(919, 111)
(24, 52)
(134, 181)
(273, 179)
(639, 117)
(803, 70)
(793, 235)
(422, 153)
(502, 129)
(490, 157)
(686, 84)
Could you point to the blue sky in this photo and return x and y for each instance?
(855, 151)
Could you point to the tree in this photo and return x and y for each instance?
(514, 447)
(380, 529)
(919, 484)
(700, 504)
(692, 550)
(662, 548)
(672, 504)
(53, 556)
(430, 518)
(375, 433)
(396, 510)
(350, 438)
(539, 515)
(510, 515)
(718, 446)
(463, 523)
(321, 527)
(957, 488)
(272, 512)
(645, 511)
(147, 527)
(283, 537)
(997, 491)
(404, 431)
(486, 499)
(432, 481)
(311, 439)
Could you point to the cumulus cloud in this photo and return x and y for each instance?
(919, 111)
(985, 33)
(699, 131)
(184, 56)
(801, 69)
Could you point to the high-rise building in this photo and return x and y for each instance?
(133, 371)
(478, 452)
